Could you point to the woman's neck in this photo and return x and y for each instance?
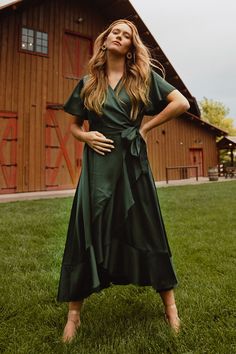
(115, 65)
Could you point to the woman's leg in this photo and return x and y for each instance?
(73, 321)
(171, 312)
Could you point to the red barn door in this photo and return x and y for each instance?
(77, 51)
(63, 153)
(8, 149)
(196, 158)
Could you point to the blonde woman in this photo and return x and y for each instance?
(116, 233)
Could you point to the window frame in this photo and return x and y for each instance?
(35, 31)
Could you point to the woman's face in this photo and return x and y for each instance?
(119, 39)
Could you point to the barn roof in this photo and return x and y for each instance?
(6, 3)
(228, 142)
(210, 127)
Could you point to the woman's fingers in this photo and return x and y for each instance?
(105, 145)
(98, 151)
(101, 148)
(104, 140)
(99, 143)
(101, 137)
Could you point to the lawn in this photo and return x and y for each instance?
(201, 225)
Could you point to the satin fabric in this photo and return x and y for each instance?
(116, 233)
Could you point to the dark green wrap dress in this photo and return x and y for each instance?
(116, 233)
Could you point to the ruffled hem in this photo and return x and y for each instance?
(122, 265)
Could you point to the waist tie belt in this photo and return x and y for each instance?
(136, 149)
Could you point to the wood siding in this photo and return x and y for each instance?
(30, 84)
(169, 146)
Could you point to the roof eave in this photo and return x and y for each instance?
(9, 3)
(216, 130)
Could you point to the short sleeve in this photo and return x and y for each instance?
(74, 104)
(159, 90)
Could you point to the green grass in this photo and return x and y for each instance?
(201, 226)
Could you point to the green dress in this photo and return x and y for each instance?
(116, 233)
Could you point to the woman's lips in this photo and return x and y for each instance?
(116, 42)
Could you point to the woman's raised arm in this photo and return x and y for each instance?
(178, 104)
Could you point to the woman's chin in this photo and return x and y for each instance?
(116, 52)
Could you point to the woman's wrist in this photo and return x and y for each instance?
(78, 133)
(144, 130)
(82, 136)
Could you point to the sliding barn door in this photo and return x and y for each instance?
(8, 152)
(63, 153)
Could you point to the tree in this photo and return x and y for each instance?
(215, 113)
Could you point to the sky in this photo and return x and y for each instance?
(199, 39)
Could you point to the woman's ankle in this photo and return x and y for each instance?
(75, 305)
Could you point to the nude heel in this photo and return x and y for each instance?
(173, 322)
(71, 327)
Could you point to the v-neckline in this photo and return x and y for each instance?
(113, 89)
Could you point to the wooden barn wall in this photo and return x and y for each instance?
(169, 146)
(28, 82)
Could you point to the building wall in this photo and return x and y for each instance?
(29, 83)
(169, 146)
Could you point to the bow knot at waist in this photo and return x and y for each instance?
(137, 149)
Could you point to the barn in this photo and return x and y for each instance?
(45, 46)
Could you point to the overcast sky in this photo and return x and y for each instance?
(199, 39)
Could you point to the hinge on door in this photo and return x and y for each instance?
(52, 146)
(51, 126)
(9, 139)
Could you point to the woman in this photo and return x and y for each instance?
(116, 233)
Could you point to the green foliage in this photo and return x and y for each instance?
(215, 113)
(201, 228)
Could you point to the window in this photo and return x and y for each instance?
(34, 41)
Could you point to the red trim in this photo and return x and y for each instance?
(63, 151)
(9, 168)
(8, 114)
(66, 46)
(77, 34)
(76, 68)
(202, 158)
(52, 171)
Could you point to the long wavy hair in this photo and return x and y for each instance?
(136, 78)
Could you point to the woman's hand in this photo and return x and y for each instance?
(98, 142)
